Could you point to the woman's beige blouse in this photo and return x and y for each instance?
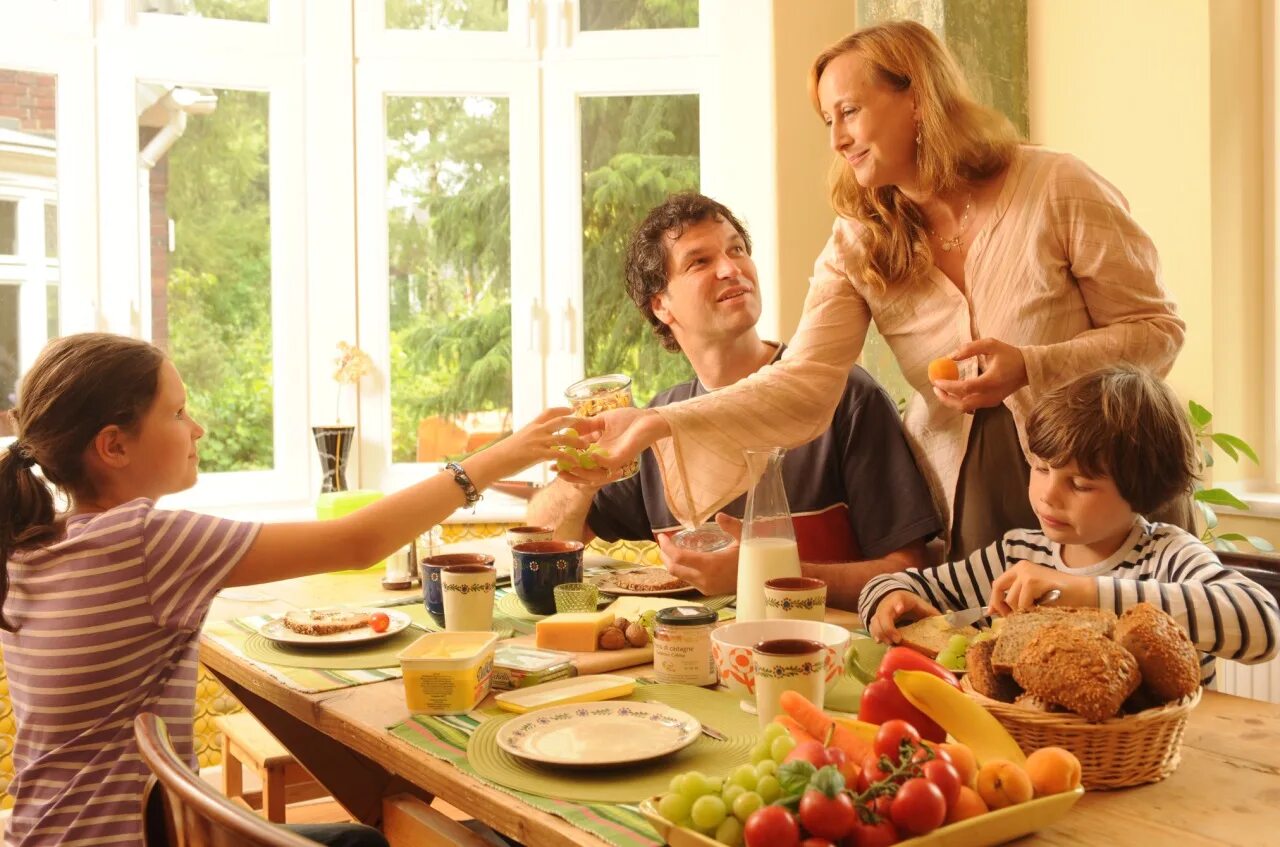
(1060, 269)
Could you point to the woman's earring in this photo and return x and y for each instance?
(917, 135)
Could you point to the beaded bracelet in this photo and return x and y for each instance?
(464, 482)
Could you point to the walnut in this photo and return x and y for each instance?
(621, 623)
(637, 636)
(612, 639)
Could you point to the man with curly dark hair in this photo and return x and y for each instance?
(855, 492)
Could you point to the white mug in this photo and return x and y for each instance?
(787, 664)
(520, 534)
(799, 598)
(468, 597)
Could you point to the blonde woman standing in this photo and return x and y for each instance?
(1020, 263)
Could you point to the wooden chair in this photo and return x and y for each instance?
(1262, 568)
(247, 744)
(197, 815)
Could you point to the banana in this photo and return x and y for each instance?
(862, 729)
(960, 715)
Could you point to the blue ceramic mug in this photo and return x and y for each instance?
(537, 567)
(432, 592)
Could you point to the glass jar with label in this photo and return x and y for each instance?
(682, 645)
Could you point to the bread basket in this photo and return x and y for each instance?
(1131, 750)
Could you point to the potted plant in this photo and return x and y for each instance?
(1206, 498)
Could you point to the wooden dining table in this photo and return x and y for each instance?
(1226, 791)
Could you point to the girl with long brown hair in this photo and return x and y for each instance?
(102, 603)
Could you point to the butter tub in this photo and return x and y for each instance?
(447, 673)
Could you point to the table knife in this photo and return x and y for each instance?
(967, 617)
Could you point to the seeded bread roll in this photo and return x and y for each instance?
(1017, 630)
(1168, 660)
(1079, 669)
(983, 678)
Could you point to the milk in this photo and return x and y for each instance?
(760, 560)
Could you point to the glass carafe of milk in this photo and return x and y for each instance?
(768, 547)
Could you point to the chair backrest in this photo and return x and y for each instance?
(199, 816)
(1262, 568)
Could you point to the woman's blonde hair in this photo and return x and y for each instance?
(961, 142)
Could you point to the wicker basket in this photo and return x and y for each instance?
(1131, 750)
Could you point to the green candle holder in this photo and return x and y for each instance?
(576, 597)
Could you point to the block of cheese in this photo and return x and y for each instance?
(577, 632)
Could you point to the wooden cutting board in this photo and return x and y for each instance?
(601, 661)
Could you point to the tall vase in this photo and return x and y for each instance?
(333, 443)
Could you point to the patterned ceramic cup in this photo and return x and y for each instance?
(432, 595)
(787, 664)
(468, 597)
(799, 598)
(537, 567)
(519, 534)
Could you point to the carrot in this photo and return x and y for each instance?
(797, 731)
(820, 725)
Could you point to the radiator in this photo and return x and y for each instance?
(1261, 682)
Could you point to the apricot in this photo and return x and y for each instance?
(944, 368)
(966, 764)
(1001, 783)
(1053, 770)
(967, 805)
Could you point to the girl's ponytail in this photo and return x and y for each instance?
(27, 512)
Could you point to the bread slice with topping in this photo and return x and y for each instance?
(324, 621)
(930, 635)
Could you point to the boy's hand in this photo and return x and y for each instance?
(896, 606)
(1019, 587)
(711, 573)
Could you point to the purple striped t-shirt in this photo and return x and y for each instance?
(107, 620)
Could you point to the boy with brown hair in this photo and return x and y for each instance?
(1106, 448)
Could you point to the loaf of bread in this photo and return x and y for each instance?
(1079, 669)
(1168, 660)
(983, 677)
(1019, 628)
(324, 621)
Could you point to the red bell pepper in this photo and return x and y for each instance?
(882, 701)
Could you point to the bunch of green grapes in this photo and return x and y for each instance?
(720, 807)
(647, 620)
(952, 656)
(571, 458)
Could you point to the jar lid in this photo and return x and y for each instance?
(686, 616)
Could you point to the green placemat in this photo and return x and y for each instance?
(509, 604)
(374, 654)
(634, 783)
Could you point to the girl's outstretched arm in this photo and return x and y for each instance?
(285, 550)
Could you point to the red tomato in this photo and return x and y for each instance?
(771, 826)
(922, 755)
(378, 622)
(871, 772)
(817, 842)
(882, 806)
(890, 737)
(919, 807)
(827, 817)
(808, 751)
(880, 834)
(945, 776)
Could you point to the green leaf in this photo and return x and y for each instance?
(1206, 456)
(794, 776)
(1223, 439)
(1221, 497)
(1232, 536)
(1200, 416)
(828, 780)
(1260, 543)
(1226, 445)
(1210, 516)
(1219, 544)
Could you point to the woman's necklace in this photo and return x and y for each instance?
(948, 244)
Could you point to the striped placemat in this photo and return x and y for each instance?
(446, 738)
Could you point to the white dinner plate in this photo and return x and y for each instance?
(277, 631)
(598, 734)
(605, 582)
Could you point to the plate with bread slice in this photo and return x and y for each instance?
(334, 627)
(640, 582)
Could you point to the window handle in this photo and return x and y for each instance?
(567, 335)
(535, 326)
(531, 24)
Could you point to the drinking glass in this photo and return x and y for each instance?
(702, 537)
(590, 397)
